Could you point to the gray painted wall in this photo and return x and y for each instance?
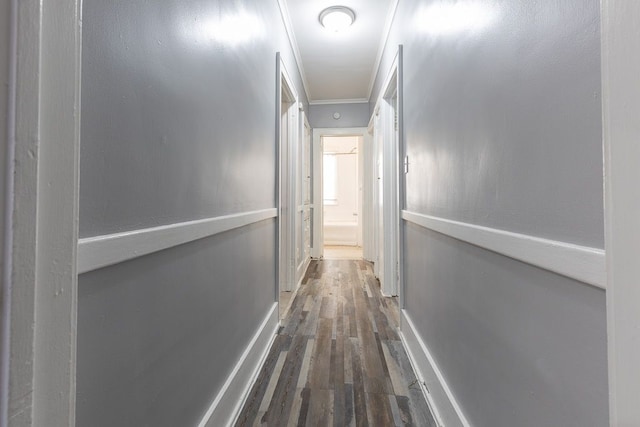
(159, 335)
(503, 124)
(351, 115)
(178, 124)
(503, 129)
(4, 86)
(519, 346)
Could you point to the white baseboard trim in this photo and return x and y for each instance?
(581, 263)
(443, 404)
(294, 292)
(226, 407)
(301, 271)
(102, 251)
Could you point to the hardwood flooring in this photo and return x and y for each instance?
(337, 359)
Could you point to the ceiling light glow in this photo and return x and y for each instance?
(459, 17)
(337, 18)
(230, 29)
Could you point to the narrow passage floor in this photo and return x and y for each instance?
(338, 360)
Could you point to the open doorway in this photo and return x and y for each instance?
(341, 193)
(292, 198)
(390, 166)
(342, 196)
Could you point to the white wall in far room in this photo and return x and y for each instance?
(341, 215)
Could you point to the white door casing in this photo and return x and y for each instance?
(621, 134)
(389, 195)
(41, 229)
(287, 137)
(378, 191)
(303, 200)
(317, 199)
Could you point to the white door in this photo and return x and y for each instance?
(379, 197)
(303, 202)
(307, 177)
(288, 129)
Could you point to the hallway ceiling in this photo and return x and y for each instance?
(339, 66)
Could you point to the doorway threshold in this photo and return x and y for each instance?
(342, 252)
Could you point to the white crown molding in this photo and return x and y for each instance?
(286, 19)
(383, 43)
(339, 101)
(581, 263)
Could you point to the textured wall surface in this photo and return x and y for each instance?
(177, 111)
(178, 124)
(4, 80)
(158, 335)
(502, 124)
(351, 115)
(519, 346)
(502, 117)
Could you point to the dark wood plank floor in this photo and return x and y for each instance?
(337, 360)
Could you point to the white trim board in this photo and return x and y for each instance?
(301, 271)
(581, 263)
(387, 145)
(620, 106)
(38, 356)
(102, 251)
(391, 14)
(286, 20)
(439, 396)
(226, 407)
(294, 292)
(287, 140)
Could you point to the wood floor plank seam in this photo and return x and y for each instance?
(338, 359)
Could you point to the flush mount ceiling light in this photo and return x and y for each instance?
(337, 18)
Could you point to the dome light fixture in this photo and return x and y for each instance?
(337, 18)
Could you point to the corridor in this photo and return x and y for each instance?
(166, 170)
(337, 358)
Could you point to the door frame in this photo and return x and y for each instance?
(287, 143)
(317, 248)
(621, 130)
(387, 124)
(303, 206)
(39, 281)
(377, 170)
